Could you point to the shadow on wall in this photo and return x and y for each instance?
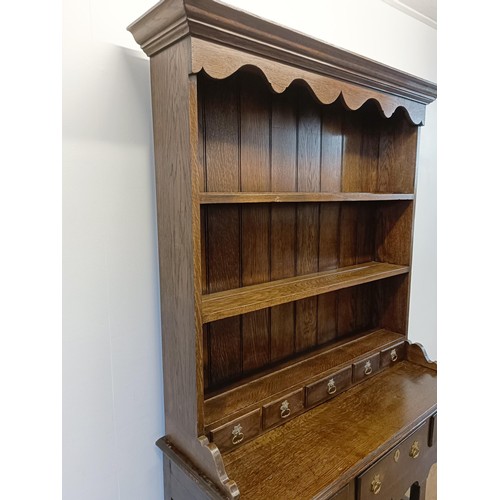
(112, 102)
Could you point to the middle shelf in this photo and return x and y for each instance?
(229, 303)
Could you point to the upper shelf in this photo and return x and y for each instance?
(224, 39)
(243, 300)
(290, 197)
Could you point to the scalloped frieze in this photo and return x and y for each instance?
(220, 62)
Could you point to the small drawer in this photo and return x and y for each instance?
(238, 431)
(392, 355)
(282, 410)
(366, 368)
(393, 474)
(328, 387)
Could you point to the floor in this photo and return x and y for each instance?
(431, 491)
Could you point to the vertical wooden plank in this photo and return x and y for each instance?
(393, 245)
(255, 111)
(346, 318)
(283, 220)
(331, 181)
(365, 231)
(364, 307)
(398, 154)
(328, 259)
(224, 274)
(222, 135)
(223, 223)
(331, 150)
(255, 220)
(392, 304)
(225, 355)
(171, 103)
(394, 232)
(206, 358)
(204, 289)
(203, 249)
(308, 180)
(255, 269)
(360, 157)
(202, 168)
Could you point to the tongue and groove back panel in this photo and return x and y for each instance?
(254, 140)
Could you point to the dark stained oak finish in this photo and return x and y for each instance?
(251, 197)
(366, 368)
(277, 412)
(395, 477)
(232, 302)
(285, 182)
(233, 434)
(348, 431)
(305, 370)
(328, 387)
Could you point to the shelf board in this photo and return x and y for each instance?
(243, 300)
(289, 197)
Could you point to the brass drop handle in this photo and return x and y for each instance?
(331, 388)
(368, 368)
(415, 450)
(376, 485)
(285, 409)
(394, 355)
(237, 434)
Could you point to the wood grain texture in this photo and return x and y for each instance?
(283, 218)
(281, 380)
(351, 431)
(321, 390)
(246, 427)
(285, 211)
(308, 179)
(177, 182)
(174, 196)
(222, 24)
(284, 197)
(361, 151)
(396, 477)
(255, 220)
(285, 408)
(222, 61)
(232, 302)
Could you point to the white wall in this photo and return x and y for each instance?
(112, 388)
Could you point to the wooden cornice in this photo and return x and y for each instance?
(223, 25)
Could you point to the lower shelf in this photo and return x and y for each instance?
(318, 452)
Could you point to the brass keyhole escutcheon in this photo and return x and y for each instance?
(237, 434)
(285, 409)
(397, 454)
(376, 485)
(394, 355)
(415, 450)
(331, 387)
(368, 368)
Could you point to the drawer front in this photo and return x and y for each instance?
(283, 409)
(393, 474)
(238, 431)
(366, 368)
(392, 355)
(328, 387)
